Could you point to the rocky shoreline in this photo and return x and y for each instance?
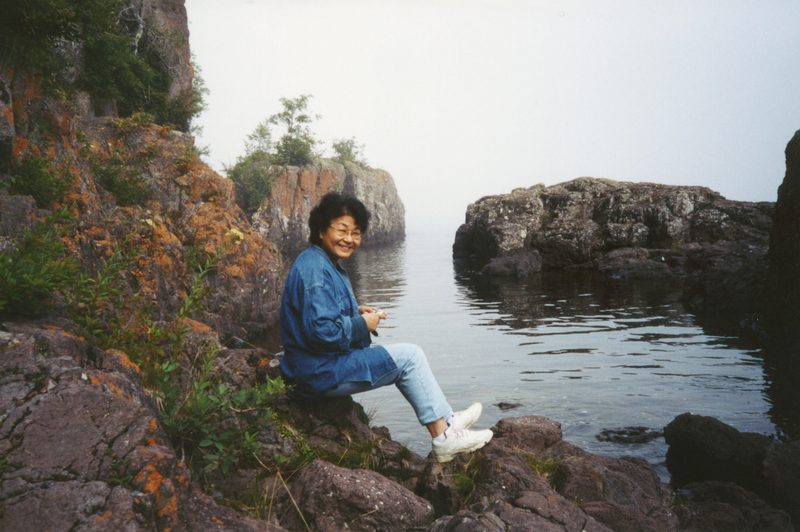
(83, 449)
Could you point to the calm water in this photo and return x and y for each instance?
(589, 353)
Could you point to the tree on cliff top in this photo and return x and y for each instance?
(296, 146)
(253, 174)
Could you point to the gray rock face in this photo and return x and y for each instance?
(82, 448)
(784, 253)
(721, 468)
(283, 215)
(623, 229)
(335, 498)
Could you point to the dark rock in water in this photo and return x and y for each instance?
(630, 231)
(505, 407)
(724, 506)
(639, 229)
(782, 476)
(629, 435)
(518, 264)
(704, 448)
(784, 263)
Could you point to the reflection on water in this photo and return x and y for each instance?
(590, 353)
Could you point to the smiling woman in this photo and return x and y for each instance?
(326, 334)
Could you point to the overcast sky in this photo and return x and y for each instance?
(458, 99)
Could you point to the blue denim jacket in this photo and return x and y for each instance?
(325, 340)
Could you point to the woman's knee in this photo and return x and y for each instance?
(407, 355)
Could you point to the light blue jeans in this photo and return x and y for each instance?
(413, 377)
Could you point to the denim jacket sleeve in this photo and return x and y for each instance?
(331, 323)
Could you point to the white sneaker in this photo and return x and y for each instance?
(460, 441)
(464, 419)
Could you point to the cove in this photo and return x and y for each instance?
(592, 353)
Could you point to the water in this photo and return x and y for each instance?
(590, 353)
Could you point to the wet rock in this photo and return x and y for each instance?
(629, 435)
(782, 477)
(518, 264)
(586, 222)
(626, 230)
(723, 506)
(704, 448)
(333, 498)
(784, 262)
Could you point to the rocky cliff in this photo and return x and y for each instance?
(784, 253)
(620, 228)
(283, 215)
(716, 246)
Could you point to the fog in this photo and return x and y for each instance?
(458, 99)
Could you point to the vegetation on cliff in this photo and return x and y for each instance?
(264, 159)
(99, 46)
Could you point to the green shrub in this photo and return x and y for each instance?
(122, 176)
(348, 150)
(118, 64)
(252, 177)
(32, 176)
(34, 270)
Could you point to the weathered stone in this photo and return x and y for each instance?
(784, 262)
(704, 448)
(782, 477)
(82, 448)
(722, 506)
(283, 215)
(333, 498)
(582, 222)
(629, 231)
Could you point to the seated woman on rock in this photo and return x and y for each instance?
(326, 334)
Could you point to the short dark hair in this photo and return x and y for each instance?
(334, 205)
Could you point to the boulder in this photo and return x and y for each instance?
(82, 447)
(782, 477)
(704, 448)
(584, 222)
(784, 261)
(722, 506)
(629, 231)
(335, 498)
(283, 214)
(528, 477)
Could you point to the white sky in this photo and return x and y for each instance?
(458, 99)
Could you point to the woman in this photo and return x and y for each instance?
(326, 334)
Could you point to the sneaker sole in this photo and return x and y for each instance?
(449, 457)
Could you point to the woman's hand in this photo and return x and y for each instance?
(372, 316)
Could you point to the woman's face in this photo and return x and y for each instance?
(341, 238)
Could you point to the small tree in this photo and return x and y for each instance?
(349, 150)
(296, 146)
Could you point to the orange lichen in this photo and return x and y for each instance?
(152, 425)
(169, 508)
(102, 518)
(104, 382)
(216, 520)
(150, 480)
(196, 326)
(123, 359)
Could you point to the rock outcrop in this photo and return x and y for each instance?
(716, 247)
(623, 229)
(283, 215)
(726, 477)
(784, 257)
(82, 447)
